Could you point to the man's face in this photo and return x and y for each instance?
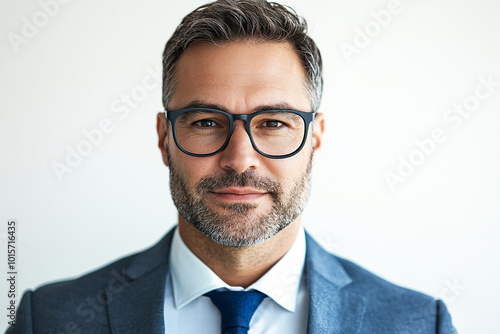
(238, 197)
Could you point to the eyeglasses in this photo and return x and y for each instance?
(275, 134)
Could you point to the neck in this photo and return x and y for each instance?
(239, 266)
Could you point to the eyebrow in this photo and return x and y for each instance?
(200, 104)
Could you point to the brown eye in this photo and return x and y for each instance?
(206, 123)
(272, 124)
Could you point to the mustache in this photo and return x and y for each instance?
(231, 178)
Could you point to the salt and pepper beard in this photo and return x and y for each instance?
(236, 226)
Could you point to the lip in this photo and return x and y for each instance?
(238, 194)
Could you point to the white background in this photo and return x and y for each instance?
(436, 232)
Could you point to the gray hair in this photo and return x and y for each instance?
(234, 20)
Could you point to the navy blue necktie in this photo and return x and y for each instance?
(236, 309)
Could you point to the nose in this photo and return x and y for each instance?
(239, 154)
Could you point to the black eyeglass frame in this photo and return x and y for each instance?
(307, 117)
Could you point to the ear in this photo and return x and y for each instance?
(161, 128)
(319, 129)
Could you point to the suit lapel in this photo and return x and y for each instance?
(333, 305)
(138, 307)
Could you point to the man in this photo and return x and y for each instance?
(242, 85)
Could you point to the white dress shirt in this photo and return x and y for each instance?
(187, 311)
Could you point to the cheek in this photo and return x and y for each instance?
(192, 169)
(291, 170)
(197, 168)
(287, 171)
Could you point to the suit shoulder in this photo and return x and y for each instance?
(374, 284)
(392, 307)
(343, 272)
(82, 301)
(109, 277)
(54, 305)
(385, 307)
(90, 280)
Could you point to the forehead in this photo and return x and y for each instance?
(240, 76)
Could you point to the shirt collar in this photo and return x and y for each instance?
(281, 283)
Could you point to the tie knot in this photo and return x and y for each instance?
(236, 308)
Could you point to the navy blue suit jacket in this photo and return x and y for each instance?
(127, 297)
